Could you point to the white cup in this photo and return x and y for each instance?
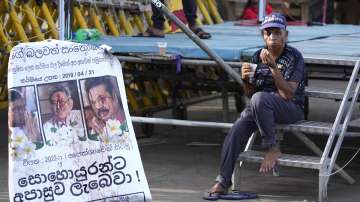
(162, 47)
(252, 72)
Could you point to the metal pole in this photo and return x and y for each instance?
(339, 116)
(183, 61)
(198, 41)
(176, 122)
(68, 19)
(61, 22)
(324, 12)
(345, 123)
(310, 144)
(308, 60)
(261, 10)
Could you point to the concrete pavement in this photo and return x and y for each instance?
(178, 171)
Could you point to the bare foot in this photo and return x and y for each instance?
(214, 193)
(217, 188)
(270, 158)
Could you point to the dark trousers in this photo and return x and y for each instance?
(263, 113)
(189, 9)
(347, 12)
(316, 11)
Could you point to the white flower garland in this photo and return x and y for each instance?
(113, 132)
(20, 146)
(64, 135)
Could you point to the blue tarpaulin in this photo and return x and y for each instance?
(232, 42)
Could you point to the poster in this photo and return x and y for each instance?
(71, 136)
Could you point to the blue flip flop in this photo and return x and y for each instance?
(237, 195)
(211, 196)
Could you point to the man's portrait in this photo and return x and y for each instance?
(61, 114)
(23, 117)
(104, 113)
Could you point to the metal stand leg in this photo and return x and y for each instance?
(323, 180)
(225, 97)
(237, 174)
(279, 139)
(313, 147)
(225, 103)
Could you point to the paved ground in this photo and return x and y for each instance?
(178, 171)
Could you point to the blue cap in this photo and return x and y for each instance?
(274, 20)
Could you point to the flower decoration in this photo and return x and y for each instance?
(113, 132)
(62, 135)
(20, 145)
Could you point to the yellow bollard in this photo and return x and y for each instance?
(3, 92)
(146, 100)
(138, 22)
(157, 91)
(79, 18)
(204, 12)
(3, 104)
(4, 6)
(198, 22)
(17, 26)
(8, 26)
(148, 18)
(124, 23)
(131, 99)
(24, 22)
(4, 40)
(34, 23)
(143, 93)
(167, 27)
(3, 67)
(110, 22)
(214, 12)
(3, 70)
(95, 19)
(52, 9)
(50, 21)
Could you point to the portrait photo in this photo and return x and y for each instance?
(23, 120)
(104, 112)
(61, 117)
